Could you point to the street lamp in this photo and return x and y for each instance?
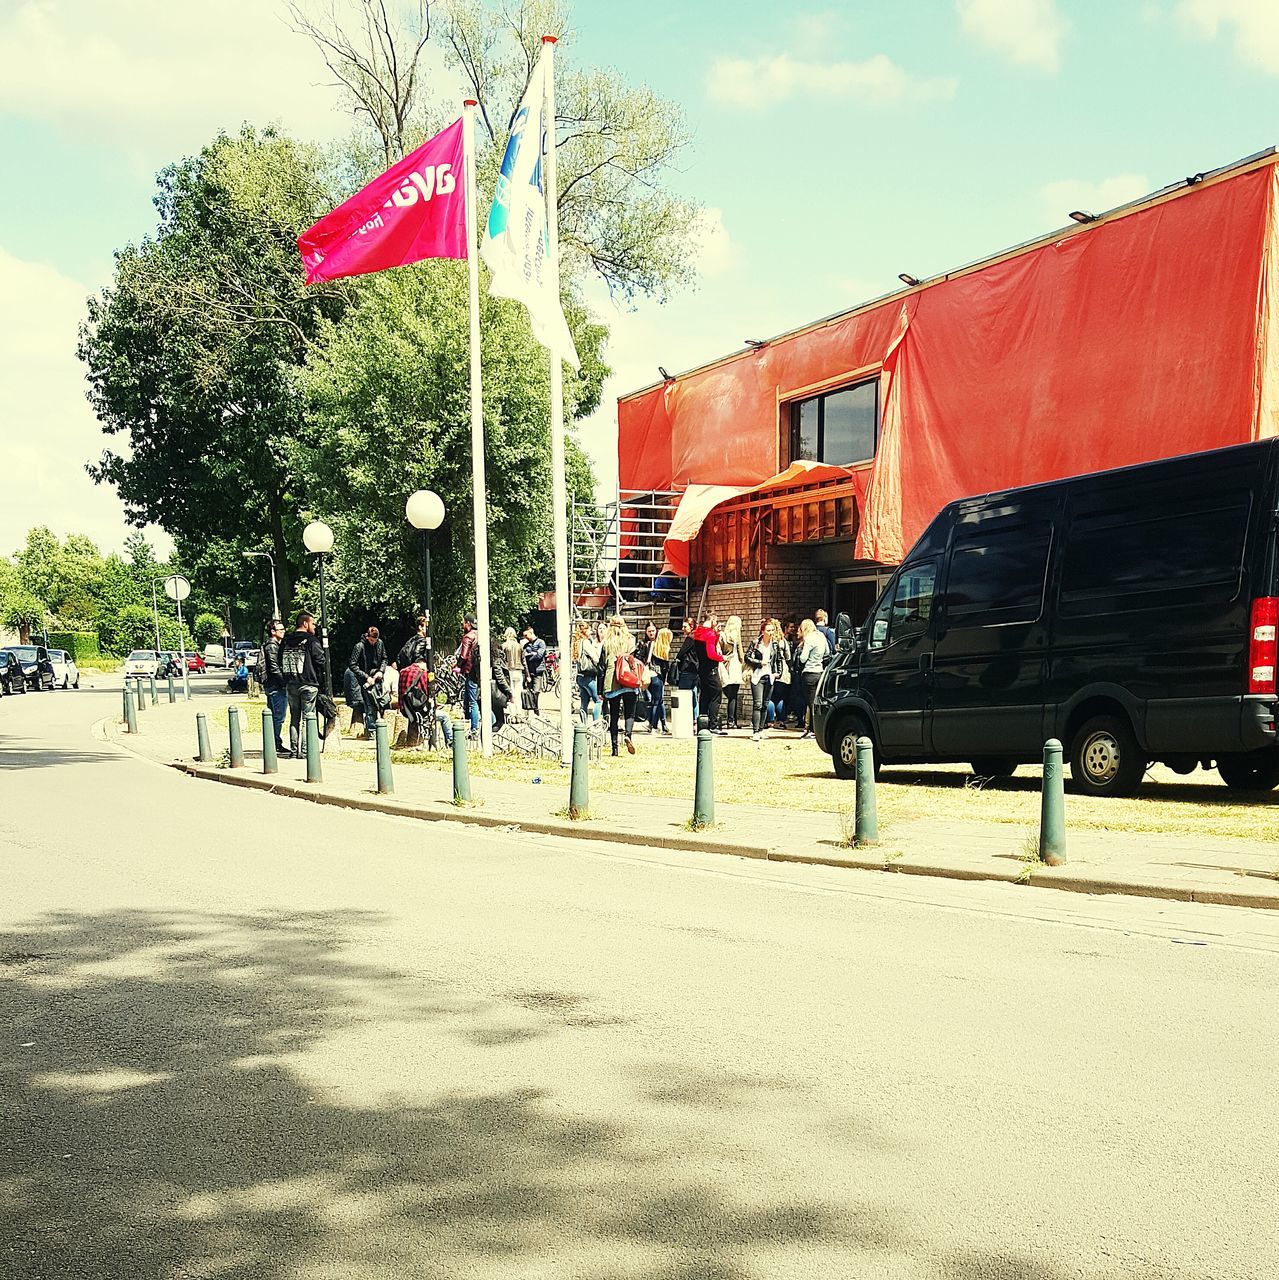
(275, 599)
(425, 511)
(317, 537)
(177, 588)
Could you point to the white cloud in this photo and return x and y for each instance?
(1255, 24)
(1029, 32)
(1059, 198)
(878, 81)
(152, 73)
(49, 430)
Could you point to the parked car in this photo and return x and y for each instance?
(66, 675)
(1132, 614)
(249, 651)
(215, 655)
(36, 667)
(12, 678)
(146, 662)
(195, 662)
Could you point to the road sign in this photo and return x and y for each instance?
(176, 587)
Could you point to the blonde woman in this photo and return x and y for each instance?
(659, 669)
(586, 663)
(620, 701)
(730, 645)
(513, 661)
(764, 662)
(813, 652)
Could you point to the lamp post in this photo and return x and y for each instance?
(425, 511)
(177, 588)
(270, 559)
(317, 537)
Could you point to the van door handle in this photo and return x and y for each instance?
(925, 661)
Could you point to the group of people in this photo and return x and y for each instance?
(782, 667)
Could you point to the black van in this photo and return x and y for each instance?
(1131, 614)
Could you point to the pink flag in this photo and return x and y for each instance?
(415, 210)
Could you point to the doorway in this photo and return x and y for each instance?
(855, 593)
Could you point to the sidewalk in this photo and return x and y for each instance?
(1222, 870)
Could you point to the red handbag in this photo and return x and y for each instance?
(628, 671)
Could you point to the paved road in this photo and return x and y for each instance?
(252, 1038)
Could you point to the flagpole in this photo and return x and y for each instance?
(479, 506)
(559, 489)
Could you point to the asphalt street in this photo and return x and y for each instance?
(247, 1037)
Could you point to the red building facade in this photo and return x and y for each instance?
(806, 467)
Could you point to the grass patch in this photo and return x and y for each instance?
(587, 815)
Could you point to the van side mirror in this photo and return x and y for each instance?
(845, 636)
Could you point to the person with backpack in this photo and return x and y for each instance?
(623, 675)
(276, 687)
(709, 661)
(302, 660)
(586, 653)
(368, 664)
(534, 663)
(467, 662)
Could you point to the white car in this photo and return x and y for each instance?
(66, 675)
(142, 662)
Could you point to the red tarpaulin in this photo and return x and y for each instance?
(1142, 337)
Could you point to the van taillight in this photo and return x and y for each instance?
(1262, 648)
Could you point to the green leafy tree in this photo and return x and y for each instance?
(190, 351)
(132, 628)
(23, 612)
(208, 628)
(40, 567)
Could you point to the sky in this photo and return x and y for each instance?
(834, 145)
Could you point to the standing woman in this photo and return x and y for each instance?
(659, 664)
(586, 663)
(513, 660)
(709, 661)
(813, 651)
(645, 655)
(730, 644)
(618, 698)
(765, 663)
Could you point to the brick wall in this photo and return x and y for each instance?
(740, 598)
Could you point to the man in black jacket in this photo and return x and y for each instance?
(276, 687)
(368, 662)
(302, 659)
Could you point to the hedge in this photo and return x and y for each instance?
(81, 645)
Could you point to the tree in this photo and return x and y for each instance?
(616, 145)
(208, 628)
(40, 567)
(192, 352)
(389, 412)
(132, 628)
(24, 612)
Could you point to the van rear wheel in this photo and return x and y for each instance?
(994, 766)
(1105, 758)
(1256, 771)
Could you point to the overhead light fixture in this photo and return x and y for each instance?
(755, 343)
(666, 377)
(910, 280)
(1082, 215)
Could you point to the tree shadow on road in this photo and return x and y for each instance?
(155, 1123)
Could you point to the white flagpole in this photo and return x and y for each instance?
(479, 505)
(559, 489)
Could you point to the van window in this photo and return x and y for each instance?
(996, 577)
(907, 611)
(1121, 560)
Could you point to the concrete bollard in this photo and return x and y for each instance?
(203, 754)
(155, 698)
(141, 696)
(124, 704)
(1052, 808)
(130, 716)
(579, 787)
(385, 783)
(704, 783)
(237, 740)
(269, 762)
(313, 773)
(866, 817)
(173, 696)
(461, 771)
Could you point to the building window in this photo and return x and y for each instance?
(840, 427)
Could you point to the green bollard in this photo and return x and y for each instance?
(385, 783)
(154, 696)
(461, 772)
(704, 785)
(203, 754)
(130, 716)
(579, 790)
(1052, 809)
(313, 773)
(173, 697)
(866, 817)
(141, 698)
(269, 763)
(124, 704)
(237, 742)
